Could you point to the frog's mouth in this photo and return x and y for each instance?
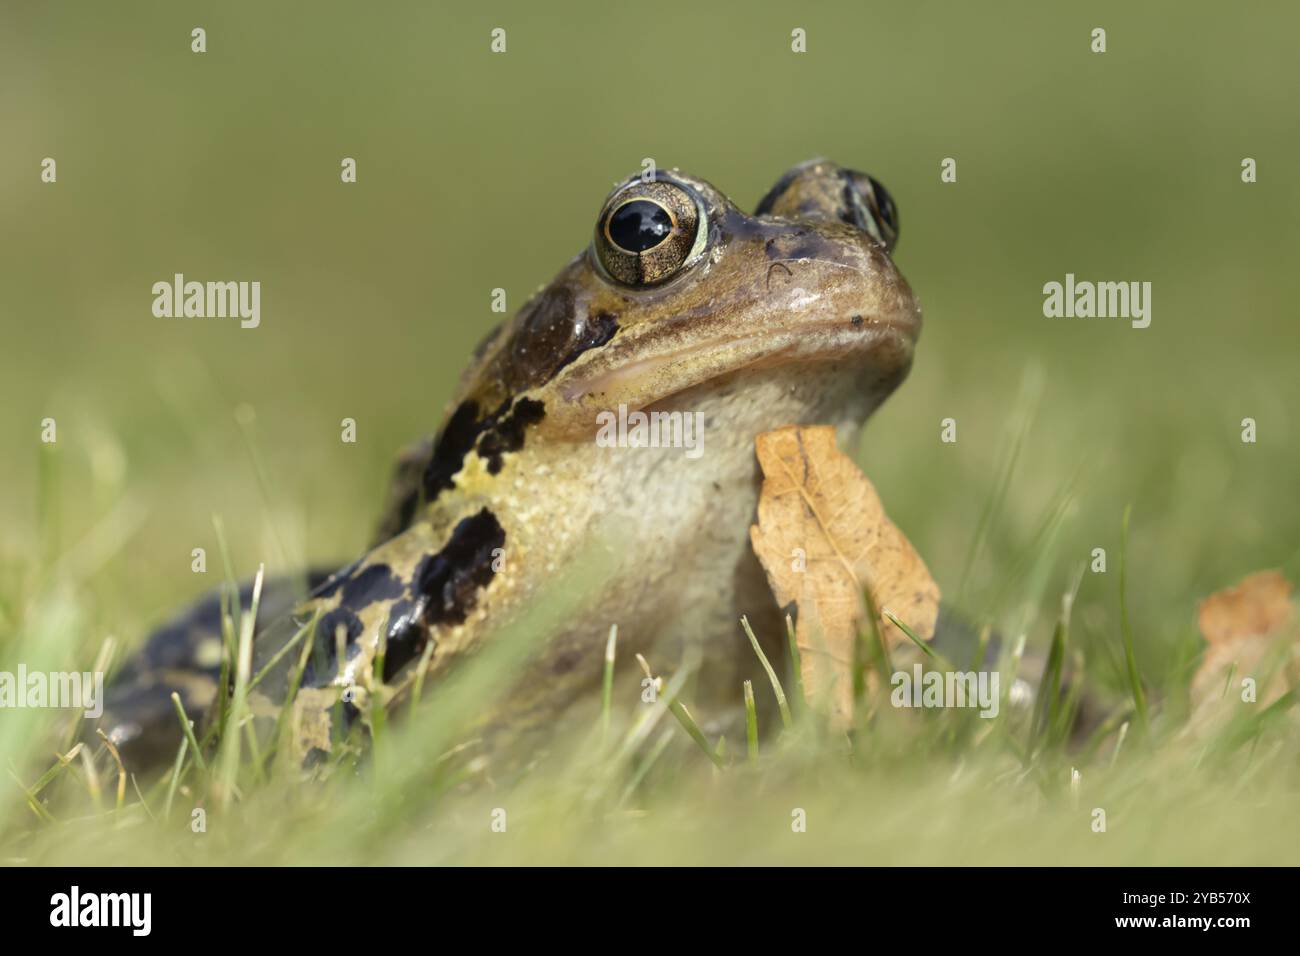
(706, 361)
(876, 345)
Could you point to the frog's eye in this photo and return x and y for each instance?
(883, 211)
(647, 232)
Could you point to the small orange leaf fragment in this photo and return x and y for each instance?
(1259, 605)
(1242, 624)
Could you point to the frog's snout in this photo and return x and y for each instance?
(820, 190)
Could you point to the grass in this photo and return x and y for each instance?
(647, 785)
(898, 787)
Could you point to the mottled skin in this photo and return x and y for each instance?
(793, 315)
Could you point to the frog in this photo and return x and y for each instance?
(681, 304)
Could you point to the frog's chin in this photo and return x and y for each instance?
(879, 347)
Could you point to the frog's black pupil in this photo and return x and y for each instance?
(639, 225)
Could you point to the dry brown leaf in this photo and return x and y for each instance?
(1259, 605)
(823, 537)
(1242, 624)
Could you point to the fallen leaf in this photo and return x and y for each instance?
(1257, 606)
(1241, 625)
(823, 539)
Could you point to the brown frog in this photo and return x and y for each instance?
(714, 325)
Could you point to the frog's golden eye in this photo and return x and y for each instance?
(647, 232)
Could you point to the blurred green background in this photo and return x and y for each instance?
(478, 170)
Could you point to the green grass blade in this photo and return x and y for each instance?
(228, 758)
(678, 710)
(1130, 658)
(187, 728)
(786, 717)
(751, 722)
(607, 683)
(912, 635)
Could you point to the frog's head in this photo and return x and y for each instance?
(680, 288)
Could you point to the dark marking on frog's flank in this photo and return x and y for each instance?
(177, 644)
(445, 585)
(506, 432)
(330, 586)
(401, 616)
(330, 623)
(375, 583)
(323, 663)
(453, 444)
(450, 579)
(549, 335)
(499, 432)
(407, 636)
(857, 321)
